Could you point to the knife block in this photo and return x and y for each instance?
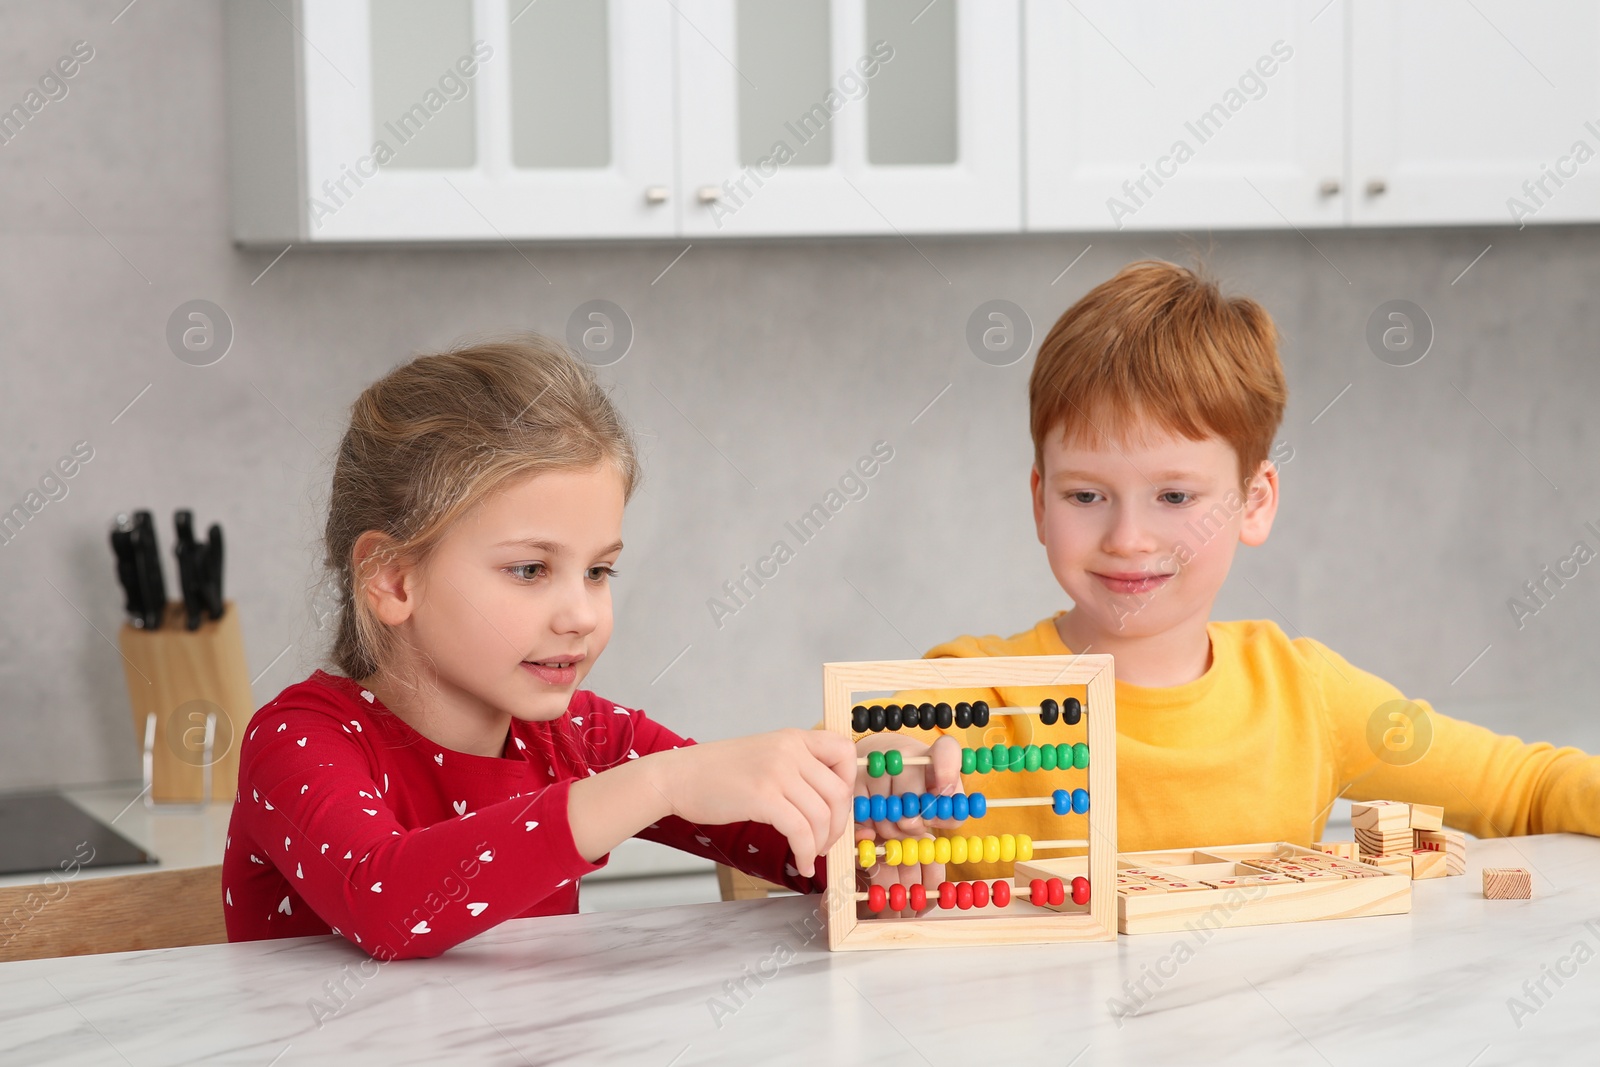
(190, 694)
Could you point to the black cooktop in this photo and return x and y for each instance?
(47, 832)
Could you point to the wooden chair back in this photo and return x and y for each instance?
(121, 913)
(736, 885)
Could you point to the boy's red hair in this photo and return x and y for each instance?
(1160, 344)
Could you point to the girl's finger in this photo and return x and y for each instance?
(836, 794)
(944, 770)
(811, 807)
(794, 826)
(838, 753)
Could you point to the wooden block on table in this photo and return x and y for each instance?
(1380, 815)
(1385, 842)
(1183, 887)
(1453, 843)
(1427, 817)
(1397, 864)
(1341, 849)
(1428, 863)
(1507, 883)
(1140, 889)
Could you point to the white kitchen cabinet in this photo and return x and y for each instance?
(436, 120)
(849, 116)
(483, 120)
(366, 121)
(1481, 112)
(1173, 114)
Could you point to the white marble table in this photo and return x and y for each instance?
(1431, 987)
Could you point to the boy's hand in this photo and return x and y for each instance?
(800, 782)
(941, 775)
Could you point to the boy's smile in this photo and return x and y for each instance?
(1140, 533)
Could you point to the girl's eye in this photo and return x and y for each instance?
(1182, 497)
(601, 573)
(527, 571)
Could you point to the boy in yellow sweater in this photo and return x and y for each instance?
(1154, 402)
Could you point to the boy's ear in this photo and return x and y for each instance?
(1036, 489)
(1261, 505)
(385, 580)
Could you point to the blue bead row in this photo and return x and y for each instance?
(891, 808)
(1075, 802)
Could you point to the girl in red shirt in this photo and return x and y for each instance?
(453, 775)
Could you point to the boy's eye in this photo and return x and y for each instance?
(1174, 496)
(601, 573)
(527, 571)
(1083, 496)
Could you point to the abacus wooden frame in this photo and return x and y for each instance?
(840, 681)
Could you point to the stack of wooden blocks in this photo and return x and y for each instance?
(1407, 839)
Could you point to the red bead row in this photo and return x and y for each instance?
(968, 895)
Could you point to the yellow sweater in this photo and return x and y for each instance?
(1258, 747)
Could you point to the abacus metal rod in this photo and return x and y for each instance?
(1019, 802)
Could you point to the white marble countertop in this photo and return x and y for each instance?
(644, 987)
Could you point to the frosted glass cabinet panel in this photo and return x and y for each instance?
(560, 84)
(415, 42)
(787, 45)
(912, 114)
(848, 116)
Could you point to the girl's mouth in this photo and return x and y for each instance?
(556, 672)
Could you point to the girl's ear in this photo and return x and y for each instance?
(383, 578)
(1261, 505)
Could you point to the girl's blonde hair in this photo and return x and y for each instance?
(434, 438)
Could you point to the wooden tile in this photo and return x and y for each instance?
(1507, 883)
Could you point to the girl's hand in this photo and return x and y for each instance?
(942, 775)
(800, 782)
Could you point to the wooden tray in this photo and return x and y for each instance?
(1221, 903)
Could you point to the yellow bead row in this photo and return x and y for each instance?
(904, 852)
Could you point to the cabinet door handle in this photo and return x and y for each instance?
(1377, 186)
(1329, 187)
(655, 194)
(708, 194)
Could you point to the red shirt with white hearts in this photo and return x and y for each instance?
(349, 821)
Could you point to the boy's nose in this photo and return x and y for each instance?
(1126, 535)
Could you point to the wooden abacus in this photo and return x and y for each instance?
(984, 914)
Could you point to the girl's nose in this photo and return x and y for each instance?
(577, 611)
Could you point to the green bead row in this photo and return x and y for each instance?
(880, 763)
(1024, 758)
(1000, 757)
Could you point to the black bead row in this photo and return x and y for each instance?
(877, 718)
(911, 716)
(1070, 710)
